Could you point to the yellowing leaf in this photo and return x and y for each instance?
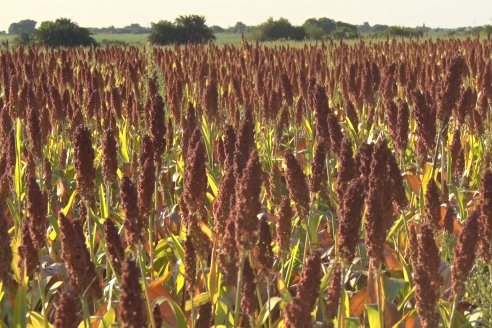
(413, 181)
(358, 302)
(206, 229)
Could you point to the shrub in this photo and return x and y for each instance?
(63, 33)
(279, 29)
(185, 29)
(24, 26)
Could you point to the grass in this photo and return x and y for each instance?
(225, 38)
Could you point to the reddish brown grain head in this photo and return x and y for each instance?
(284, 224)
(297, 185)
(485, 218)
(80, 268)
(248, 205)
(66, 315)
(464, 253)
(249, 300)
(131, 311)
(114, 246)
(109, 156)
(84, 163)
(133, 221)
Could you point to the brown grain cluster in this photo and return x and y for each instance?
(284, 225)
(80, 268)
(114, 246)
(133, 221)
(464, 253)
(109, 156)
(131, 310)
(195, 180)
(248, 205)
(485, 218)
(297, 185)
(379, 215)
(84, 163)
(350, 217)
(249, 300)
(28, 254)
(265, 253)
(37, 207)
(66, 313)
(298, 312)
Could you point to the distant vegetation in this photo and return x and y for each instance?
(63, 33)
(185, 29)
(24, 26)
(193, 29)
(279, 29)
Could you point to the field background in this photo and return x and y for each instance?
(223, 38)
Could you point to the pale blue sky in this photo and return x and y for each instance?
(97, 13)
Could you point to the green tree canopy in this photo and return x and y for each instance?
(63, 33)
(279, 29)
(24, 26)
(185, 29)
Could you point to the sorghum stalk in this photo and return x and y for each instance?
(237, 305)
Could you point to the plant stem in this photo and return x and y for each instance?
(238, 292)
(307, 240)
(43, 304)
(147, 299)
(89, 228)
(380, 296)
(268, 302)
(342, 297)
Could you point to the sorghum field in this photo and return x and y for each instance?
(330, 185)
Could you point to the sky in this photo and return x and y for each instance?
(101, 13)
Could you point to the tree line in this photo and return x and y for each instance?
(193, 29)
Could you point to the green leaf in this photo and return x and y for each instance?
(308, 127)
(326, 279)
(69, 205)
(373, 315)
(104, 204)
(180, 317)
(212, 184)
(267, 308)
(177, 246)
(405, 317)
(290, 268)
(124, 143)
(37, 320)
(351, 323)
(427, 176)
(406, 299)
(108, 319)
(392, 288)
(20, 305)
(198, 301)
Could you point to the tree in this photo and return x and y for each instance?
(317, 29)
(63, 33)
(189, 28)
(163, 32)
(24, 26)
(192, 28)
(24, 38)
(281, 29)
(217, 29)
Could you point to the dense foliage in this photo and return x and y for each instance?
(324, 186)
(63, 33)
(279, 29)
(185, 29)
(24, 26)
